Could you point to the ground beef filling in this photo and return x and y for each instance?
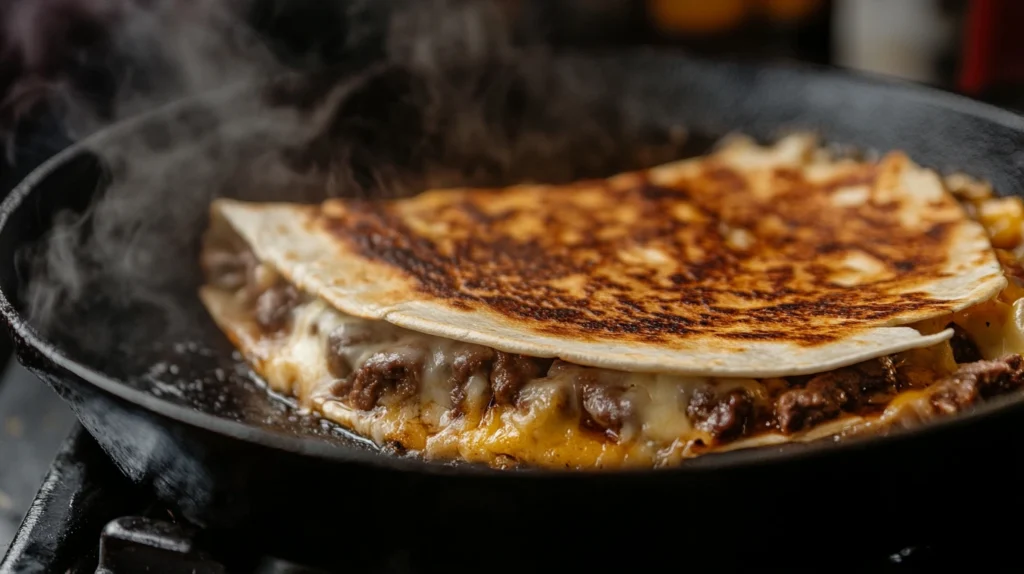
(394, 373)
(981, 379)
(827, 396)
(607, 406)
(724, 416)
(274, 307)
(467, 363)
(511, 372)
(800, 404)
(397, 374)
(806, 402)
(604, 402)
(342, 338)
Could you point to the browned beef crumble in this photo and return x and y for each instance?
(338, 340)
(395, 372)
(274, 307)
(808, 400)
(819, 401)
(981, 379)
(607, 406)
(828, 395)
(511, 372)
(724, 416)
(467, 362)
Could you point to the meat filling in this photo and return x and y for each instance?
(274, 307)
(819, 401)
(828, 395)
(983, 379)
(608, 406)
(466, 363)
(511, 372)
(345, 336)
(724, 416)
(395, 373)
(800, 403)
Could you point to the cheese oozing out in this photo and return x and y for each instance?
(426, 394)
(450, 400)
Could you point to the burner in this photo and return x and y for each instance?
(88, 518)
(138, 543)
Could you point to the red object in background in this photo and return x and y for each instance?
(993, 50)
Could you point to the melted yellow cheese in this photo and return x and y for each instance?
(544, 427)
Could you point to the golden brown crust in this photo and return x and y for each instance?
(750, 262)
(716, 252)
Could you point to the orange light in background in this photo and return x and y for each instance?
(789, 10)
(707, 16)
(696, 16)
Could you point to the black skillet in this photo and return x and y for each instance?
(205, 438)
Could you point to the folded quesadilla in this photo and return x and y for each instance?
(755, 295)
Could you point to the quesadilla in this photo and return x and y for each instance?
(754, 295)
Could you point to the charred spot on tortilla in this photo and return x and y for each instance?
(521, 265)
(755, 295)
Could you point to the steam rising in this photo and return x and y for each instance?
(424, 93)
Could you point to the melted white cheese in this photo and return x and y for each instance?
(544, 426)
(298, 365)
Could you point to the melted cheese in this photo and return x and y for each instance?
(996, 327)
(544, 427)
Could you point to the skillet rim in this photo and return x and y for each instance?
(314, 447)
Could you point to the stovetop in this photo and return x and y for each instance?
(33, 424)
(64, 507)
(86, 517)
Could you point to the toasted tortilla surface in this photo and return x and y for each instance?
(753, 261)
(754, 296)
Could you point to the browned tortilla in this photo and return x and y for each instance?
(749, 262)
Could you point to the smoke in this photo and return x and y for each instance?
(289, 101)
(129, 57)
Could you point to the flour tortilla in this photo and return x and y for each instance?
(748, 262)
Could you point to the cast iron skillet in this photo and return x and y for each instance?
(182, 419)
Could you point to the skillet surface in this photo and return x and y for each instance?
(141, 384)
